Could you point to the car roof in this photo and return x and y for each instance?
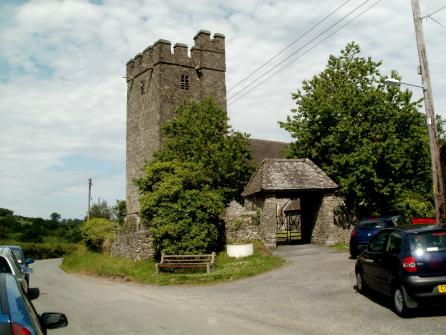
(11, 246)
(414, 229)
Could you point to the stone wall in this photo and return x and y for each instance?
(272, 207)
(325, 230)
(136, 245)
(241, 224)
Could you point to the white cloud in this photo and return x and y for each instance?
(64, 94)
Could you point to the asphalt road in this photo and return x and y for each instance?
(313, 294)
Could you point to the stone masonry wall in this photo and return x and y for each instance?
(242, 224)
(133, 245)
(325, 230)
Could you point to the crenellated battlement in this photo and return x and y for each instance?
(207, 53)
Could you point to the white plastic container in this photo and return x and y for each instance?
(239, 250)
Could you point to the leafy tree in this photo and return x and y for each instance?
(100, 209)
(6, 212)
(96, 231)
(200, 133)
(181, 207)
(119, 211)
(369, 139)
(55, 217)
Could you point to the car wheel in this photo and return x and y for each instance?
(399, 302)
(353, 253)
(360, 285)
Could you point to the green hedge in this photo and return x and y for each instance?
(44, 250)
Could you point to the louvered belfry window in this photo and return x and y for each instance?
(184, 83)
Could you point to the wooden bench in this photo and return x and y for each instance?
(186, 261)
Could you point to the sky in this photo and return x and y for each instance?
(63, 95)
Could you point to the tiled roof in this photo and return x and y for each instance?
(264, 149)
(288, 174)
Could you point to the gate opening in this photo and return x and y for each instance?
(289, 225)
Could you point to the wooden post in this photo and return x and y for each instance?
(437, 178)
(89, 198)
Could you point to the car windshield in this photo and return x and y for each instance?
(431, 241)
(17, 254)
(368, 224)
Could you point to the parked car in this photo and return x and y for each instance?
(23, 262)
(17, 314)
(407, 263)
(366, 229)
(9, 264)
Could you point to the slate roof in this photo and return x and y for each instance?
(288, 174)
(265, 149)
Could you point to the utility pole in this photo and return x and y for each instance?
(437, 178)
(89, 197)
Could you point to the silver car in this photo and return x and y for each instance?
(9, 264)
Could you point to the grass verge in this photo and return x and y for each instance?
(340, 246)
(226, 269)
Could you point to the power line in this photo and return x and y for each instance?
(436, 11)
(295, 52)
(441, 24)
(288, 46)
(116, 172)
(80, 182)
(110, 172)
(295, 59)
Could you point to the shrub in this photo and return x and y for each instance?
(44, 250)
(181, 208)
(411, 205)
(96, 231)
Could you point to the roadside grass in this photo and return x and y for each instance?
(226, 268)
(343, 246)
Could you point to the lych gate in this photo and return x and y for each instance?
(296, 199)
(289, 222)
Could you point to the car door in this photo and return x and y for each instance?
(390, 261)
(372, 260)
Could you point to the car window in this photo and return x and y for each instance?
(372, 224)
(378, 243)
(4, 266)
(431, 241)
(394, 243)
(18, 255)
(14, 259)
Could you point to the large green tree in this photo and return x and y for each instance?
(202, 165)
(181, 207)
(200, 133)
(369, 138)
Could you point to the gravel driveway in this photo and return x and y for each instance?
(312, 294)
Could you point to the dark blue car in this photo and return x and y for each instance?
(365, 230)
(17, 314)
(407, 263)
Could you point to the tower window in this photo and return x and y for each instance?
(142, 87)
(184, 83)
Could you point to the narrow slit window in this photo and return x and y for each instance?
(184, 83)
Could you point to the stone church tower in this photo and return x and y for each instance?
(157, 81)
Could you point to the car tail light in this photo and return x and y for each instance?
(19, 329)
(354, 232)
(410, 264)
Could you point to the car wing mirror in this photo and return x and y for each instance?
(27, 271)
(33, 293)
(29, 261)
(53, 320)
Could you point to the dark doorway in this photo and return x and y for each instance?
(296, 219)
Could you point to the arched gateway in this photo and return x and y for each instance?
(296, 200)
